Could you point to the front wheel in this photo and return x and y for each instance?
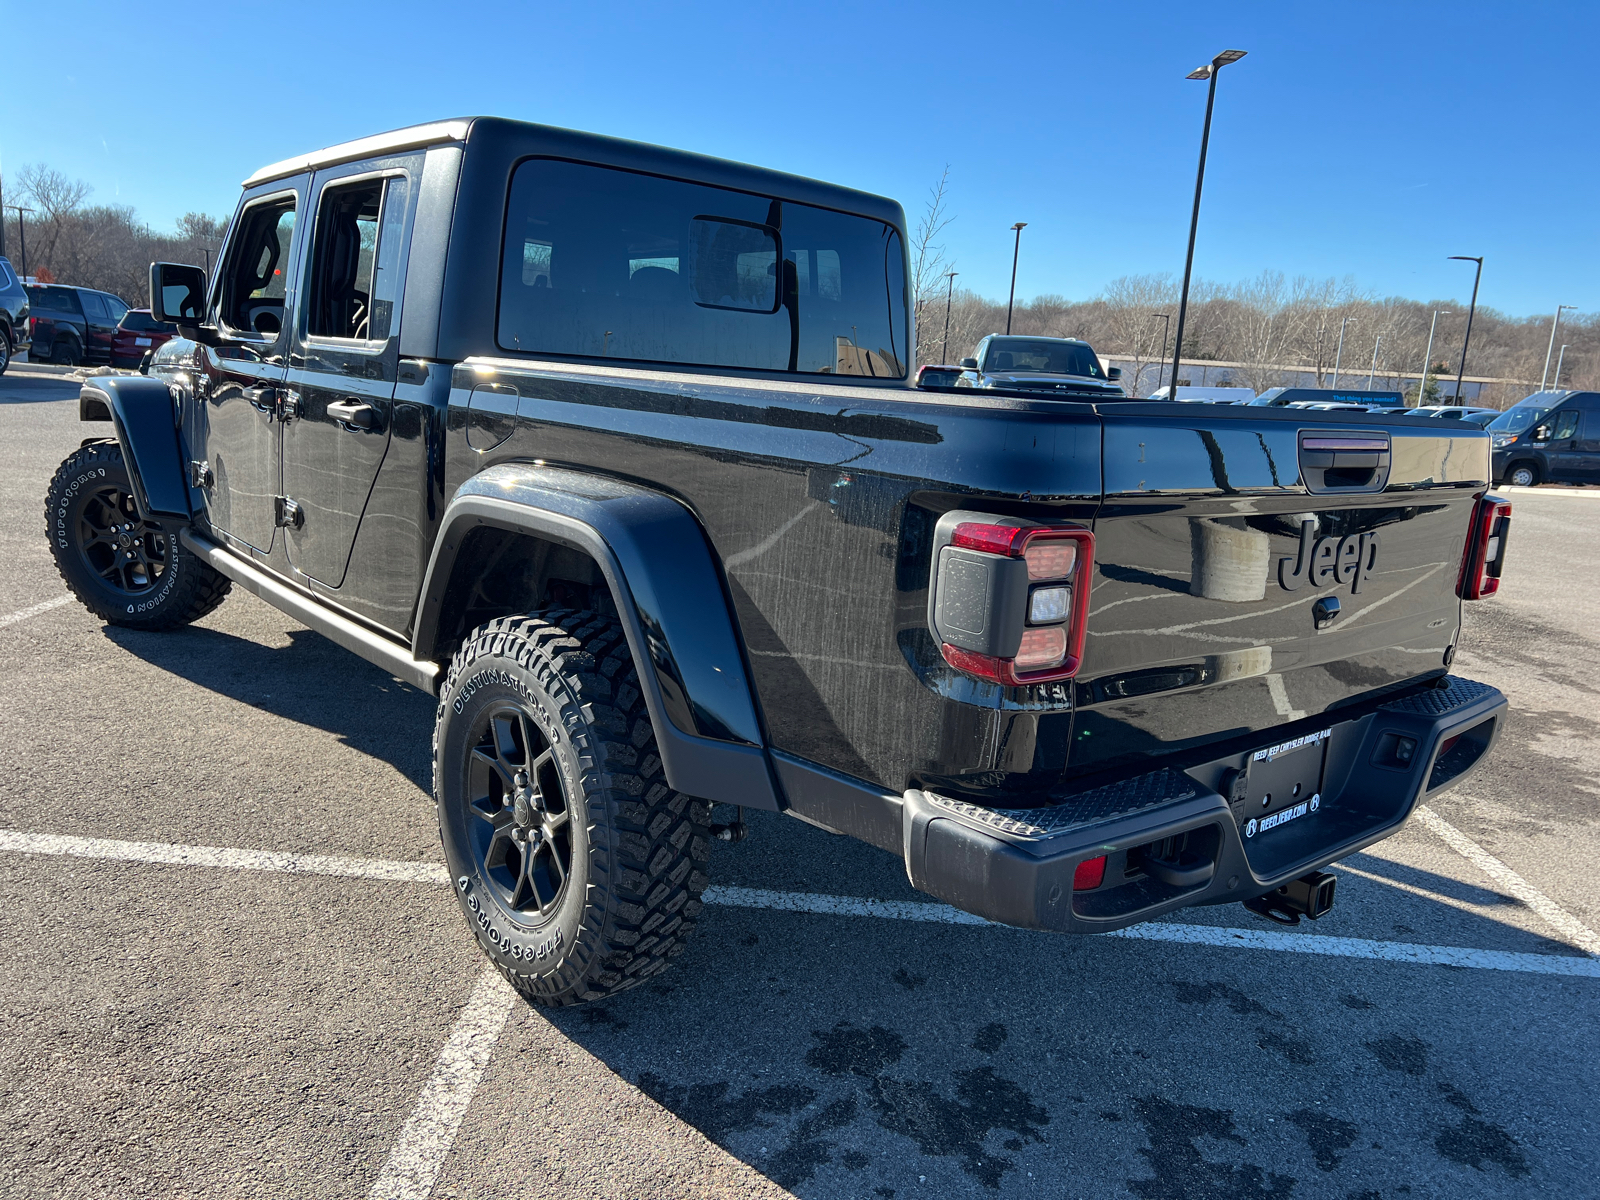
(5, 350)
(578, 868)
(1523, 475)
(124, 570)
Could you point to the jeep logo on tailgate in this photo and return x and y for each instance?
(1323, 560)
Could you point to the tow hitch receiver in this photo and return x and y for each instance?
(1310, 896)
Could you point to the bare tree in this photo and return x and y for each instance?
(929, 264)
(1129, 322)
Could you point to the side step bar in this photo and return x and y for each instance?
(374, 647)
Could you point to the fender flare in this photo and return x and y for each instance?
(146, 420)
(663, 575)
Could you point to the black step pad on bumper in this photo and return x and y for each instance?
(1016, 866)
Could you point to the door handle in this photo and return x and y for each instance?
(354, 414)
(263, 398)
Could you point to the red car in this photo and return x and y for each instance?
(137, 334)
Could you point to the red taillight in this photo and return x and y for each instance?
(1485, 554)
(1091, 873)
(1059, 560)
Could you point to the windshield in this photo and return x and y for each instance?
(1515, 420)
(1052, 357)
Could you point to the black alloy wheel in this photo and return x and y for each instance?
(65, 352)
(5, 350)
(126, 571)
(522, 833)
(129, 555)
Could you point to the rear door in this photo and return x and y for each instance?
(341, 377)
(1218, 537)
(101, 326)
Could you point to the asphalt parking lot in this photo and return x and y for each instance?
(297, 1011)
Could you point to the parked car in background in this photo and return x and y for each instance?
(1287, 397)
(937, 375)
(138, 333)
(13, 315)
(1549, 437)
(1205, 395)
(73, 325)
(1059, 366)
(1457, 412)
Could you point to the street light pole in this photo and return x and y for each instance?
(1461, 370)
(944, 349)
(1209, 72)
(1554, 325)
(22, 233)
(1018, 227)
(1166, 328)
(1374, 369)
(1339, 357)
(1557, 384)
(1427, 358)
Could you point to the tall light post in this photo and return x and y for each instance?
(1018, 227)
(1374, 369)
(1554, 325)
(1559, 361)
(944, 349)
(1209, 72)
(1427, 358)
(1166, 328)
(1337, 358)
(22, 233)
(1461, 369)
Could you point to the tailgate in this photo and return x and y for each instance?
(1225, 537)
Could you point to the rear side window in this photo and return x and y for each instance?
(354, 270)
(54, 299)
(613, 264)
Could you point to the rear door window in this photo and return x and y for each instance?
(606, 263)
(355, 281)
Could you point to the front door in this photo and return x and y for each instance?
(341, 378)
(245, 371)
(1561, 450)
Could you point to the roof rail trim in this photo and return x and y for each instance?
(410, 138)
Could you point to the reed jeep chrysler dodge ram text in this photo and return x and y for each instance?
(614, 449)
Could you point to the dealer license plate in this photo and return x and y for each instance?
(1283, 783)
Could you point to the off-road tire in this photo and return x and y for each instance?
(636, 849)
(87, 488)
(1517, 468)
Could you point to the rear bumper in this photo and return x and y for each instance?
(1017, 866)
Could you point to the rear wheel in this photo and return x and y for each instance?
(578, 868)
(5, 350)
(124, 570)
(65, 352)
(1522, 474)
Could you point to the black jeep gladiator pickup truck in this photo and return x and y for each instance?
(614, 450)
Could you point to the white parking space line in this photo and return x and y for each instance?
(414, 1163)
(33, 610)
(854, 906)
(221, 856)
(1193, 935)
(1555, 916)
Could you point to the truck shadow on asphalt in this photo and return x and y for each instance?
(310, 681)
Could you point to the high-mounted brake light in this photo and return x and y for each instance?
(1010, 598)
(1484, 556)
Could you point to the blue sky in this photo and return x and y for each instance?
(1362, 139)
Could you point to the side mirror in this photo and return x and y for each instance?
(1542, 433)
(177, 293)
(969, 364)
(1113, 373)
